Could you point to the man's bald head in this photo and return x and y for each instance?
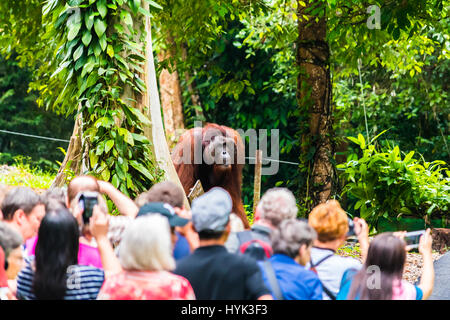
(79, 184)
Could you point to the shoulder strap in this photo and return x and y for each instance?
(273, 280)
(320, 261)
(328, 292)
(244, 236)
(313, 268)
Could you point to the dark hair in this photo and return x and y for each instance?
(19, 198)
(56, 250)
(387, 252)
(166, 191)
(210, 234)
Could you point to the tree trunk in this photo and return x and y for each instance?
(171, 102)
(314, 93)
(155, 133)
(73, 158)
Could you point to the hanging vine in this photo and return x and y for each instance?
(99, 50)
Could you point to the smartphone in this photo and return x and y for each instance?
(412, 239)
(87, 201)
(351, 228)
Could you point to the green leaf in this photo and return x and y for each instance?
(77, 54)
(108, 145)
(110, 51)
(100, 27)
(87, 37)
(74, 28)
(91, 80)
(89, 21)
(105, 174)
(141, 117)
(353, 139)
(103, 42)
(115, 181)
(362, 141)
(154, 4)
(126, 17)
(139, 167)
(128, 138)
(93, 158)
(101, 8)
(408, 157)
(97, 49)
(135, 5)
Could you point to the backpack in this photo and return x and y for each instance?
(255, 248)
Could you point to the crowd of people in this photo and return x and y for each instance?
(55, 246)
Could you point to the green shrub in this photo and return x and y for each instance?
(385, 184)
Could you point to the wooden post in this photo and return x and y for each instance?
(257, 183)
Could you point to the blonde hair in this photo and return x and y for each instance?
(146, 245)
(329, 220)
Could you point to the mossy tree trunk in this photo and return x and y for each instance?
(314, 98)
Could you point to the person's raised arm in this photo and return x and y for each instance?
(427, 279)
(362, 232)
(124, 204)
(99, 229)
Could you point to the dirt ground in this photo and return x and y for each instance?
(413, 267)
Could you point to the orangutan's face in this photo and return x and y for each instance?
(220, 153)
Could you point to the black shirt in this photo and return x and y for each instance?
(216, 274)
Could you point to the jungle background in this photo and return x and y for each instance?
(239, 64)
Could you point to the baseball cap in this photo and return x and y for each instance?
(164, 209)
(211, 211)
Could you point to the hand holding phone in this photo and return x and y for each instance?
(425, 243)
(412, 239)
(87, 201)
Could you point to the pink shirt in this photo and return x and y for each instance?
(87, 255)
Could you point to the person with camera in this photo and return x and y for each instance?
(380, 278)
(83, 193)
(332, 226)
(54, 273)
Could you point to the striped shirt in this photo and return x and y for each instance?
(83, 282)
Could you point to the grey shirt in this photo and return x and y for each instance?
(258, 232)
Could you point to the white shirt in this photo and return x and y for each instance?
(331, 270)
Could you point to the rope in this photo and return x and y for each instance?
(33, 136)
(273, 160)
(62, 140)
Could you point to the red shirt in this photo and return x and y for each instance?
(3, 277)
(146, 285)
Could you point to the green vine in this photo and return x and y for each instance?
(99, 48)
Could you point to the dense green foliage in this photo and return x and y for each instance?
(19, 113)
(99, 54)
(241, 60)
(384, 183)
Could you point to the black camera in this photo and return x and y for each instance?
(351, 228)
(87, 201)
